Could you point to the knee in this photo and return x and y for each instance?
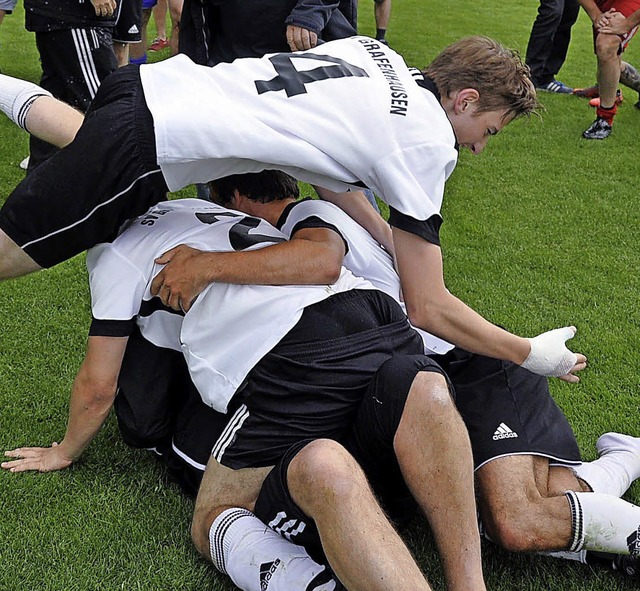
(517, 528)
(323, 470)
(607, 47)
(201, 522)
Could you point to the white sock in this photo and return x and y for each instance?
(616, 468)
(17, 96)
(604, 523)
(257, 558)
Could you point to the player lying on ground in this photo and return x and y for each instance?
(523, 444)
(274, 363)
(289, 111)
(116, 298)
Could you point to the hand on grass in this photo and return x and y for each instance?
(41, 459)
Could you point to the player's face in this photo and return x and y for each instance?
(473, 129)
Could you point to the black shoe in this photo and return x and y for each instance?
(599, 130)
(628, 565)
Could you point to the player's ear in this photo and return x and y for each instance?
(465, 99)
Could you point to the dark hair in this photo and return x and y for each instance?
(265, 186)
(497, 73)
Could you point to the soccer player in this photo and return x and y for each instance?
(266, 354)
(615, 22)
(280, 111)
(525, 453)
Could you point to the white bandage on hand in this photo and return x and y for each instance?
(549, 355)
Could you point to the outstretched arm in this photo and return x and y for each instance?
(94, 390)
(433, 308)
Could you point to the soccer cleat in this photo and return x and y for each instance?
(590, 92)
(628, 565)
(598, 130)
(595, 102)
(557, 87)
(158, 44)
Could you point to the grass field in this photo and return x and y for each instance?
(541, 231)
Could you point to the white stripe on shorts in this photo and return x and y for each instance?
(96, 208)
(229, 433)
(85, 60)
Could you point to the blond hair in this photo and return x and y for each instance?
(497, 73)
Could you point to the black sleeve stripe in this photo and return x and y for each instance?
(111, 328)
(148, 307)
(314, 221)
(428, 229)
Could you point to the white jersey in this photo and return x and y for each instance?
(364, 257)
(230, 327)
(341, 114)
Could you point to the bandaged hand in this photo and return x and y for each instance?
(549, 355)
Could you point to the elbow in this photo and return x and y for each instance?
(98, 395)
(332, 274)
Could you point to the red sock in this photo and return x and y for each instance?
(607, 113)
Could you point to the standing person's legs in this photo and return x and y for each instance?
(159, 13)
(561, 39)
(382, 13)
(128, 29)
(138, 51)
(74, 63)
(541, 40)
(175, 11)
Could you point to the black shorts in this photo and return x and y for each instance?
(86, 191)
(311, 383)
(159, 408)
(508, 410)
(370, 441)
(128, 27)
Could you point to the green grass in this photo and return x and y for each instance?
(542, 230)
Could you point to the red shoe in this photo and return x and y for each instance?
(595, 102)
(158, 44)
(591, 92)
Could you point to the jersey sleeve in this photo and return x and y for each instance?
(310, 213)
(412, 181)
(117, 287)
(111, 328)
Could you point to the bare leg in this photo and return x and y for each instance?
(122, 53)
(223, 488)
(361, 545)
(515, 508)
(53, 121)
(608, 68)
(13, 260)
(434, 453)
(382, 12)
(175, 11)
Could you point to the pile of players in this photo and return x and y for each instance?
(272, 331)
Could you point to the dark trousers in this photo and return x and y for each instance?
(549, 39)
(74, 63)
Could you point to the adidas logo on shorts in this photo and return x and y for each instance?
(133, 29)
(503, 432)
